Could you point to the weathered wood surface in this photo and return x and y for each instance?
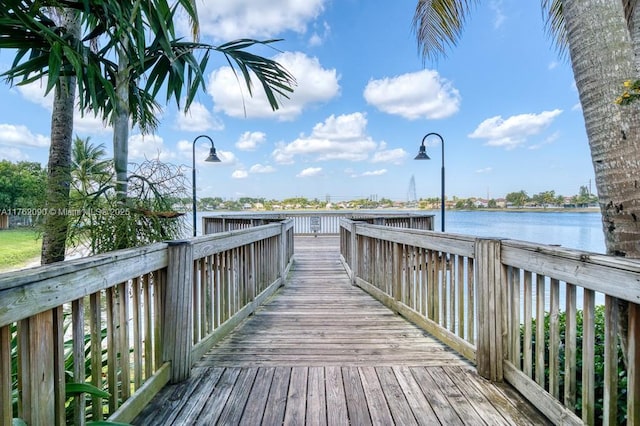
(324, 352)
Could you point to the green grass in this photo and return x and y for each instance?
(18, 247)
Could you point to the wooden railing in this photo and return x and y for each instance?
(316, 222)
(127, 322)
(518, 310)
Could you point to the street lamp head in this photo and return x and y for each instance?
(213, 157)
(422, 154)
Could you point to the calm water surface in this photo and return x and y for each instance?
(581, 231)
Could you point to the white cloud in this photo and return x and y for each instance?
(82, 123)
(89, 124)
(552, 65)
(314, 84)
(375, 172)
(12, 135)
(229, 20)
(12, 154)
(514, 130)
(337, 138)
(422, 94)
(259, 168)
(310, 172)
(484, 170)
(34, 92)
(548, 140)
(198, 119)
(317, 38)
(249, 141)
(147, 147)
(239, 174)
(391, 156)
(499, 16)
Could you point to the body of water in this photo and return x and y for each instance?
(582, 231)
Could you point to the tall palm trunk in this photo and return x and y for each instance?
(121, 141)
(59, 165)
(602, 55)
(121, 126)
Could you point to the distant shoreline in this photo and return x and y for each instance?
(536, 210)
(396, 209)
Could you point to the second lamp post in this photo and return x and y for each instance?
(213, 157)
(422, 155)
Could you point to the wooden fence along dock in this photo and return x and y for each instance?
(323, 352)
(153, 327)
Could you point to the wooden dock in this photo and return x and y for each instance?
(324, 352)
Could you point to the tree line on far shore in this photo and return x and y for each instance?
(21, 186)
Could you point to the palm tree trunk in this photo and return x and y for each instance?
(121, 126)
(602, 55)
(121, 140)
(59, 165)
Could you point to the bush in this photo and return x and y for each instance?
(599, 319)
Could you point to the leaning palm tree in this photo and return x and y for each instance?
(149, 59)
(601, 48)
(601, 37)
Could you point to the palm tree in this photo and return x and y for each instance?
(142, 37)
(601, 49)
(59, 164)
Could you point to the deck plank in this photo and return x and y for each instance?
(316, 397)
(322, 351)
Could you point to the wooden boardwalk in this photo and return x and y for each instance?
(322, 352)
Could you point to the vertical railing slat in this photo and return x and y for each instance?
(471, 301)
(588, 355)
(95, 329)
(111, 351)
(610, 399)
(460, 285)
(540, 344)
(570, 348)
(515, 316)
(633, 359)
(136, 316)
(77, 314)
(6, 409)
(125, 361)
(527, 358)
(554, 338)
(148, 325)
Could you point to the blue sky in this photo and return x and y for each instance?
(504, 102)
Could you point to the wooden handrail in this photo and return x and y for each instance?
(504, 292)
(135, 308)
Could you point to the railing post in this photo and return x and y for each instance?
(37, 348)
(491, 309)
(177, 318)
(283, 248)
(354, 252)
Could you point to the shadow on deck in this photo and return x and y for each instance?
(324, 352)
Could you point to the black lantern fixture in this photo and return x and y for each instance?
(422, 155)
(213, 158)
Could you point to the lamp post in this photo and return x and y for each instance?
(422, 155)
(211, 158)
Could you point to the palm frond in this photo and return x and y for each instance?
(554, 25)
(274, 78)
(438, 24)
